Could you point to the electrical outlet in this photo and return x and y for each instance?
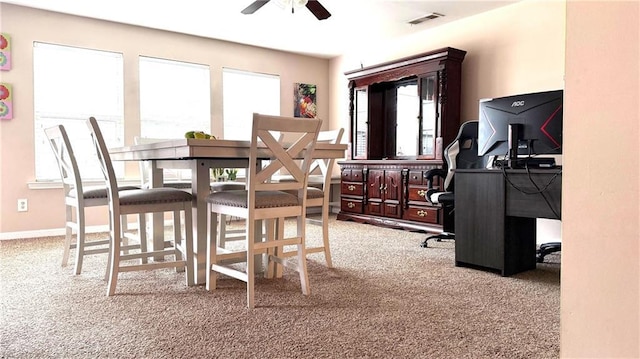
(22, 205)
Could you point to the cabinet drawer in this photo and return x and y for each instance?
(351, 205)
(415, 177)
(423, 214)
(352, 175)
(352, 188)
(418, 193)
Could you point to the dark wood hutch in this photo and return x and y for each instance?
(402, 115)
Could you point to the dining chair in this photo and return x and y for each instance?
(75, 204)
(235, 234)
(264, 199)
(318, 195)
(141, 202)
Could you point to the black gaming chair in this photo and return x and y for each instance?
(462, 153)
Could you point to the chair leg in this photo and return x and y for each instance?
(250, 268)
(271, 234)
(212, 249)
(177, 240)
(223, 231)
(325, 234)
(188, 246)
(438, 238)
(279, 268)
(68, 236)
(115, 256)
(302, 258)
(80, 241)
(142, 234)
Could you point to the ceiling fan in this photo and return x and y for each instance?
(313, 5)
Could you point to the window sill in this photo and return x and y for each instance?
(37, 185)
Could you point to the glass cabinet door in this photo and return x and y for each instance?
(429, 115)
(360, 123)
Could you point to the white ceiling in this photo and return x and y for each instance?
(353, 23)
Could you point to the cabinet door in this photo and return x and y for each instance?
(392, 192)
(392, 185)
(384, 193)
(375, 185)
(429, 114)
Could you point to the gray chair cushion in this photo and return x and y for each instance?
(227, 186)
(154, 195)
(97, 191)
(174, 184)
(264, 199)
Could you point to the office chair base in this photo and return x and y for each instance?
(438, 238)
(547, 248)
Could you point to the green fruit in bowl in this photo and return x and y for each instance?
(200, 135)
(189, 134)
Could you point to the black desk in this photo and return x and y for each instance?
(495, 222)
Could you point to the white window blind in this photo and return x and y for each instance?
(175, 97)
(70, 85)
(244, 93)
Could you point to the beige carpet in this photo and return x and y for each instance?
(386, 298)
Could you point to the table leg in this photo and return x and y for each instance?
(200, 190)
(157, 219)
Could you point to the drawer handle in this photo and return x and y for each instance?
(421, 193)
(421, 213)
(350, 205)
(351, 187)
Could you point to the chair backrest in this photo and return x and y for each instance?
(462, 153)
(67, 164)
(105, 165)
(281, 155)
(323, 164)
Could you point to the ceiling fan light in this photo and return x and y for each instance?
(283, 3)
(289, 4)
(300, 3)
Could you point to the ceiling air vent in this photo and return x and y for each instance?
(421, 19)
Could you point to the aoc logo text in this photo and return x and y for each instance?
(517, 104)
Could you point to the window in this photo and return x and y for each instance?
(175, 97)
(244, 93)
(70, 85)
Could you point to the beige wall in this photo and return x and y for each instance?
(600, 295)
(27, 25)
(510, 50)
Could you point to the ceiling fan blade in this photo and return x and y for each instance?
(254, 7)
(317, 9)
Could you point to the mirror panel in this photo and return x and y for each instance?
(429, 114)
(360, 130)
(407, 114)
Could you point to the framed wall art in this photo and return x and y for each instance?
(6, 107)
(5, 52)
(304, 101)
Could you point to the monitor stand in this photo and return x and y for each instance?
(515, 132)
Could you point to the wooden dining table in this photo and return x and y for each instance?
(199, 156)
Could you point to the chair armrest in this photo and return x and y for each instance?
(436, 172)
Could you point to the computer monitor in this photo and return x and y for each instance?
(526, 125)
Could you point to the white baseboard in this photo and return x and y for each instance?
(47, 233)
